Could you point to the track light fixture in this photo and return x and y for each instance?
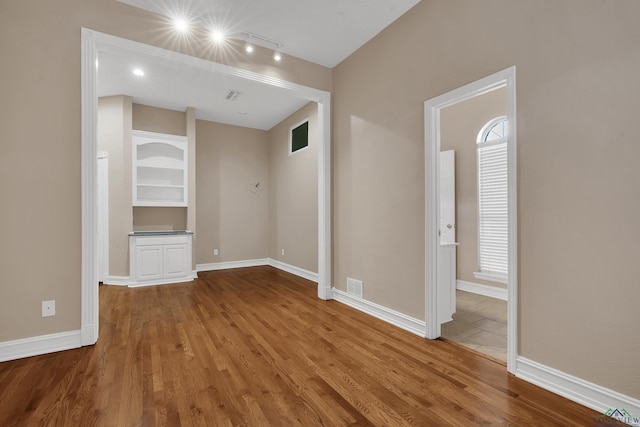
(264, 41)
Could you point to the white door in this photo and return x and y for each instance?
(447, 197)
(102, 200)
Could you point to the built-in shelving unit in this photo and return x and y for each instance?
(160, 169)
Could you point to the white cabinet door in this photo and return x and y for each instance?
(148, 263)
(175, 259)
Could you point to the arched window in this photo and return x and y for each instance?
(493, 247)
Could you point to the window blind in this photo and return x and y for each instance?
(492, 207)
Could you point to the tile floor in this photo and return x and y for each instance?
(479, 323)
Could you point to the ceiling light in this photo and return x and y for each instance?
(138, 72)
(248, 48)
(181, 25)
(277, 56)
(217, 36)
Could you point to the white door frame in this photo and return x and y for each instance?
(91, 43)
(432, 107)
(103, 214)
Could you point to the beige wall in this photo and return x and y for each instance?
(114, 137)
(294, 193)
(161, 120)
(459, 125)
(150, 218)
(231, 218)
(578, 98)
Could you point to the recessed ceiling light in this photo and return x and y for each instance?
(138, 72)
(217, 36)
(181, 25)
(277, 56)
(248, 48)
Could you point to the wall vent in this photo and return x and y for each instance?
(232, 95)
(354, 287)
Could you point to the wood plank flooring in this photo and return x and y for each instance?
(255, 347)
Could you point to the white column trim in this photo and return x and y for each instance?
(89, 275)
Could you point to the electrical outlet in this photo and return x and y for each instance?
(215, 252)
(48, 308)
(283, 252)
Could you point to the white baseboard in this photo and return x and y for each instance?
(393, 317)
(487, 291)
(116, 280)
(301, 272)
(232, 264)
(306, 274)
(573, 388)
(43, 344)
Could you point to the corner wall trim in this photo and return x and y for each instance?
(301, 272)
(43, 344)
(232, 264)
(573, 388)
(410, 324)
(487, 291)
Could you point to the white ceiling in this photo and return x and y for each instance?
(321, 31)
(171, 85)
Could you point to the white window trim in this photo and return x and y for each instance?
(301, 122)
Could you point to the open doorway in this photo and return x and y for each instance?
(94, 42)
(441, 263)
(473, 216)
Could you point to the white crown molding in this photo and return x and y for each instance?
(410, 324)
(301, 272)
(573, 388)
(43, 344)
(485, 290)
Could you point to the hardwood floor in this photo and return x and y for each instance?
(256, 347)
